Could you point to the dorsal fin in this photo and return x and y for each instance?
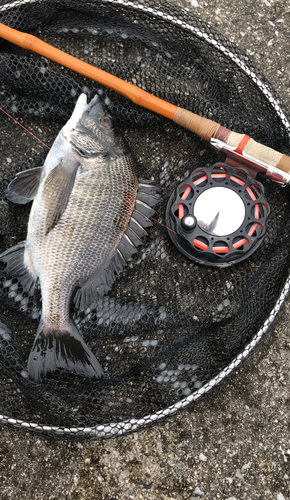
(101, 281)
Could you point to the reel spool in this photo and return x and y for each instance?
(218, 215)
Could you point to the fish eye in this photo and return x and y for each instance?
(107, 122)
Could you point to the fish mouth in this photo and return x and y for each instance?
(96, 109)
(93, 108)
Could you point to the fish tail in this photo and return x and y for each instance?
(61, 348)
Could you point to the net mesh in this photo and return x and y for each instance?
(169, 329)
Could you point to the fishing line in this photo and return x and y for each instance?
(26, 130)
(160, 223)
(185, 240)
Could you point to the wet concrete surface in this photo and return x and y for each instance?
(235, 443)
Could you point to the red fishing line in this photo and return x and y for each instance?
(163, 225)
(24, 128)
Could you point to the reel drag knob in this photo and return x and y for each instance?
(188, 222)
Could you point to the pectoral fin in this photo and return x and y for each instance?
(25, 185)
(57, 190)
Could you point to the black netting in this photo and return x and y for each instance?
(168, 327)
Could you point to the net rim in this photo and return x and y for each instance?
(132, 425)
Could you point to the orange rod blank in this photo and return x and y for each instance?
(130, 91)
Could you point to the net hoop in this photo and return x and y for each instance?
(113, 429)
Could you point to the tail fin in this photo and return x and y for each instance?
(54, 349)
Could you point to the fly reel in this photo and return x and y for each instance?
(218, 215)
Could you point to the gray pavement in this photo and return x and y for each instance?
(234, 444)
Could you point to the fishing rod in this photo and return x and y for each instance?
(240, 149)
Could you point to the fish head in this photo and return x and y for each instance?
(90, 130)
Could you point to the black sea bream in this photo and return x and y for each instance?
(87, 217)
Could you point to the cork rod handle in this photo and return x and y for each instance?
(206, 129)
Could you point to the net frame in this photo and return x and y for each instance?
(111, 429)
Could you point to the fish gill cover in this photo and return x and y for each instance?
(169, 329)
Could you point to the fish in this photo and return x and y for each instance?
(87, 219)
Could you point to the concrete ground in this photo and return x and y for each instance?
(235, 444)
